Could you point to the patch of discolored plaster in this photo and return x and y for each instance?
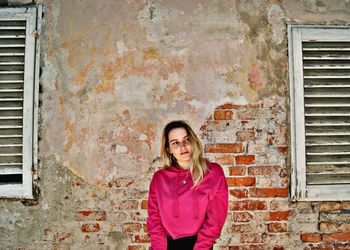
(315, 5)
(337, 12)
(153, 19)
(276, 19)
(253, 14)
(217, 20)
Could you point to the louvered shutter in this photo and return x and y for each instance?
(320, 93)
(17, 96)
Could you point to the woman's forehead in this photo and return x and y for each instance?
(177, 133)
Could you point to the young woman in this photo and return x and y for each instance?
(188, 199)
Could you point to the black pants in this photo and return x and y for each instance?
(185, 243)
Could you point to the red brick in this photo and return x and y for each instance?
(249, 247)
(279, 215)
(242, 217)
(223, 114)
(264, 170)
(282, 150)
(245, 135)
(310, 237)
(277, 227)
(145, 228)
(247, 205)
(230, 106)
(269, 192)
(144, 204)
(90, 227)
(136, 247)
(240, 182)
(239, 193)
(336, 237)
(142, 238)
(342, 247)
(238, 171)
(131, 227)
(250, 238)
(127, 205)
(245, 159)
(246, 228)
(87, 215)
(319, 247)
(278, 248)
(334, 206)
(225, 159)
(224, 148)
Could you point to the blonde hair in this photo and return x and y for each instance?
(198, 166)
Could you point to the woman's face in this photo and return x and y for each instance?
(180, 146)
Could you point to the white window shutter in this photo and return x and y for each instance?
(320, 109)
(18, 100)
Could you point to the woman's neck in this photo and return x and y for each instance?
(184, 165)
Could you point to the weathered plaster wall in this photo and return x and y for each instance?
(115, 72)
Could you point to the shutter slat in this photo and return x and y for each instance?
(326, 134)
(325, 114)
(328, 144)
(11, 170)
(326, 67)
(327, 77)
(12, 28)
(9, 155)
(328, 163)
(329, 153)
(11, 90)
(11, 72)
(12, 46)
(10, 146)
(11, 99)
(11, 81)
(326, 49)
(325, 124)
(11, 117)
(327, 86)
(328, 105)
(12, 36)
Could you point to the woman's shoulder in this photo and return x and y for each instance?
(164, 171)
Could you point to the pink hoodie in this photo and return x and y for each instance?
(177, 210)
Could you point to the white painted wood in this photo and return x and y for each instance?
(30, 99)
(316, 126)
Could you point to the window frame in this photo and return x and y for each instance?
(299, 188)
(33, 17)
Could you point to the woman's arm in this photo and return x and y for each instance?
(215, 217)
(154, 223)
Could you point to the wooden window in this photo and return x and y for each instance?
(319, 71)
(19, 71)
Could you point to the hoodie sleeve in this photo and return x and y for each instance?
(154, 223)
(215, 217)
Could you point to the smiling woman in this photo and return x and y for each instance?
(188, 199)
